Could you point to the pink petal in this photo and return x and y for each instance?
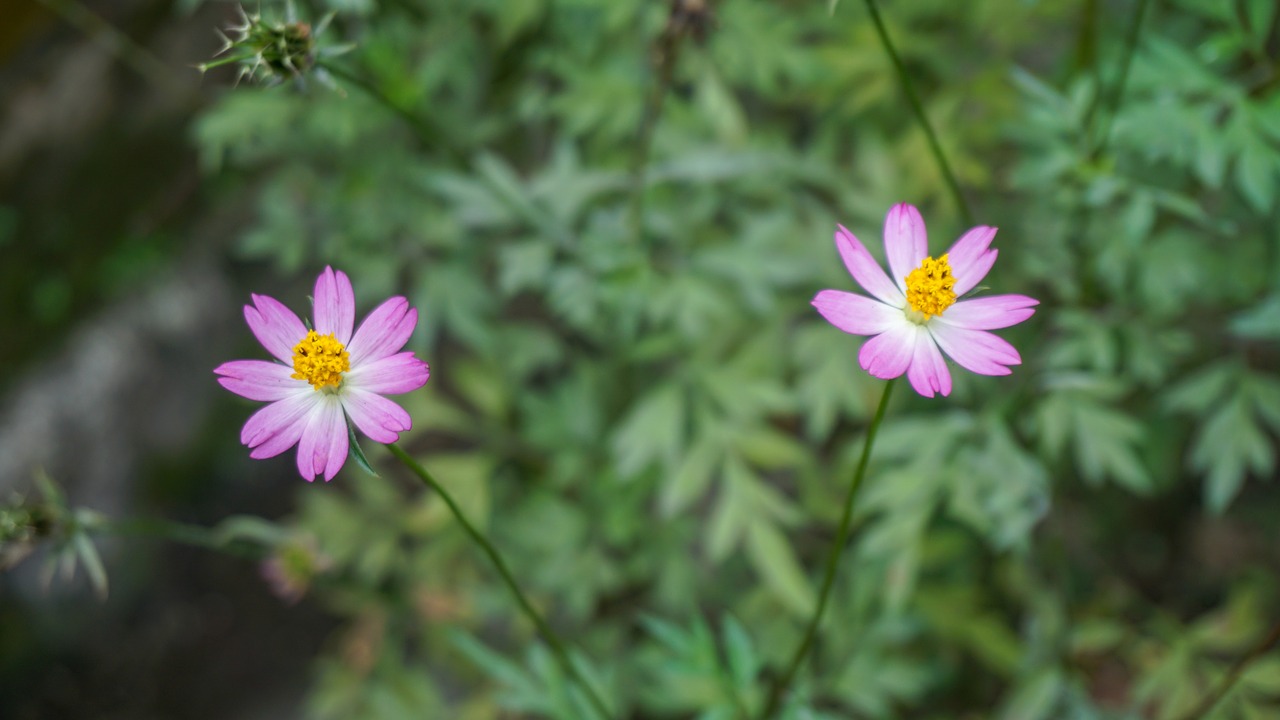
(323, 447)
(335, 305)
(259, 379)
(888, 354)
(281, 441)
(275, 326)
(928, 372)
(975, 350)
(385, 331)
(970, 259)
(991, 313)
(379, 418)
(399, 373)
(866, 270)
(856, 314)
(277, 427)
(905, 242)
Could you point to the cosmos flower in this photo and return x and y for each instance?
(325, 376)
(914, 315)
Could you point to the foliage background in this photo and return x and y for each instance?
(632, 395)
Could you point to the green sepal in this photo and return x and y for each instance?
(356, 453)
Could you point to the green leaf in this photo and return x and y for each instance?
(1203, 389)
(476, 382)
(729, 517)
(524, 266)
(1261, 322)
(744, 664)
(520, 688)
(465, 476)
(50, 491)
(653, 432)
(1103, 438)
(692, 476)
(1096, 636)
(1105, 442)
(1228, 447)
(769, 449)
(1037, 698)
(1256, 176)
(251, 528)
(773, 559)
(1263, 676)
(92, 563)
(720, 107)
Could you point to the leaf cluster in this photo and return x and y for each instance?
(655, 427)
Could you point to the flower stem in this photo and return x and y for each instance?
(1117, 89)
(918, 109)
(183, 534)
(549, 635)
(833, 560)
(1233, 675)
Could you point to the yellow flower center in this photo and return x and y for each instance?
(929, 287)
(320, 360)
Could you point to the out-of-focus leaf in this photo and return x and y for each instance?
(1261, 322)
(1229, 446)
(653, 431)
(92, 563)
(774, 560)
(1035, 699)
(743, 660)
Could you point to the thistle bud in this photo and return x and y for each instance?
(269, 51)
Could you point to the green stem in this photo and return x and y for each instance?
(1117, 90)
(833, 560)
(549, 635)
(183, 533)
(918, 109)
(138, 58)
(427, 134)
(1233, 675)
(666, 55)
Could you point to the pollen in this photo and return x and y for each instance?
(930, 287)
(320, 360)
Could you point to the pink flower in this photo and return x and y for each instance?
(914, 315)
(325, 375)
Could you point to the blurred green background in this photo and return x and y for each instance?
(611, 215)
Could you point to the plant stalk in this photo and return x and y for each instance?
(549, 635)
(1117, 90)
(907, 87)
(833, 560)
(1233, 675)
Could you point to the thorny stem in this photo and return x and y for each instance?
(549, 635)
(780, 687)
(1233, 675)
(909, 89)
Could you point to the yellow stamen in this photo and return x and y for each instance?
(929, 287)
(320, 360)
